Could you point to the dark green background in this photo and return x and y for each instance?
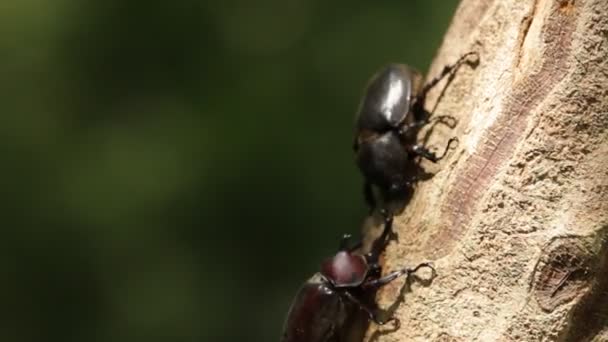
(174, 170)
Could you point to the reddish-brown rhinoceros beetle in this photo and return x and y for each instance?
(325, 304)
(387, 124)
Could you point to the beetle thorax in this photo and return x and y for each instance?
(345, 269)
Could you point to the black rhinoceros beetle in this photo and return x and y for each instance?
(387, 124)
(324, 305)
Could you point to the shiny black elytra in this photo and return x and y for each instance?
(327, 302)
(387, 124)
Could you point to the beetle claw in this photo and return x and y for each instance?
(396, 323)
(424, 264)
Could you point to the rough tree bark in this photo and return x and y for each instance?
(516, 217)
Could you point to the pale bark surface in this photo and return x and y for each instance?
(516, 217)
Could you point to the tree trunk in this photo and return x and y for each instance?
(515, 218)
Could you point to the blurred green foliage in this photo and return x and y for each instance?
(173, 171)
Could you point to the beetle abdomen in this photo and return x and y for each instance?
(384, 161)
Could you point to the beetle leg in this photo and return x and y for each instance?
(403, 129)
(380, 243)
(388, 228)
(377, 247)
(447, 70)
(371, 312)
(447, 147)
(373, 270)
(423, 152)
(377, 283)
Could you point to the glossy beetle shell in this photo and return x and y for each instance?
(381, 150)
(384, 160)
(317, 314)
(388, 98)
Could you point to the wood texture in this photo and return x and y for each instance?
(516, 217)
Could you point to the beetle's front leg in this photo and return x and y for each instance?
(420, 150)
(377, 283)
(380, 244)
(447, 70)
(418, 106)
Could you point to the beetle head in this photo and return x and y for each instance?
(345, 269)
